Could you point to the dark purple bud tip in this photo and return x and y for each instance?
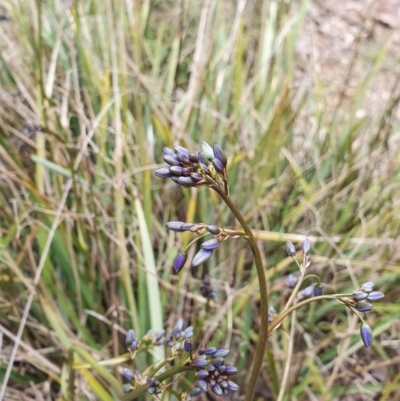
(319, 290)
(201, 256)
(359, 296)
(375, 295)
(220, 155)
(179, 262)
(218, 166)
(202, 374)
(306, 246)
(363, 306)
(216, 389)
(196, 391)
(233, 386)
(222, 353)
(200, 362)
(181, 150)
(176, 170)
(211, 244)
(290, 249)
(163, 172)
(175, 226)
(128, 374)
(213, 229)
(188, 345)
(366, 334)
(130, 337)
(172, 160)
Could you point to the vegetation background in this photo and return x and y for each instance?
(303, 97)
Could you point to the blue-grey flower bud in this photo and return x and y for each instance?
(375, 295)
(368, 286)
(218, 166)
(168, 152)
(291, 281)
(213, 229)
(179, 262)
(183, 159)
(363, 306)
(231, 370)
(178, 327)
(290, 249)
(202, 374)
(221, 353)
(175, 226)
(211, 368)
(196, 391)
(217, 362)
(306, 246)
(201, 256)
(202, 384)
(220, 155)
(196, 176)
(176, 170)
(210, 350)
(359, 296)
(128, 374)
(366, 334)
(188, 345)
(193, 158)
(308, 291)
(233, 386)
(163, 172)
(188, 332)
(216, 389)
(186, 181)
(319, 290)
(211, 244)
(172, 160)
(130, 337)
(207, 150)
(224, 383)
(205, 169)
(181, 150)
(200, 362)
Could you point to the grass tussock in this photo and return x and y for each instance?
(91, 91)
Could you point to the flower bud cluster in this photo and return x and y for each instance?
(364, 294)
(194, 170)
(213, 371)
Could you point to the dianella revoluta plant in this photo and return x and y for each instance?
(208, 364)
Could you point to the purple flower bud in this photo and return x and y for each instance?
(318, 290)
(196, 391)
(200, 362)
(213, 229)
(231, 370)
(218, 166)
(212, 382)
(271, 310)
(375, 295)
(202, 158)
(188, 332)
(359, 296)
(224, 384)
(306, 246)
(175, 179)
(176, 170)
(210, 350)
(211, 244)
(202, 374)
(308, 291)
(291, 281)
(128, 374)
(201, 256)
(222, 353)
(196, 177)
(186, 181)
(368, 286)
(221, 369)
(178, 327)
(168, 152)
(134, 345)
(181, 150)
(193, 158)
(205, 169)
(130, 337)
(217, 362)
(183, 159)
(220, 155)
(194, 228)
(211, 368)
(207, 150)
(172, 160)
(186, 226)
(233, 386)
(202, 384)
(163, 172)
(179, 262)
(366, 334)
(175, 226)
(363, 306)
(290, 249)
(216, 389)
(188, 345)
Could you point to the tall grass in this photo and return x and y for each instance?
(91, 91)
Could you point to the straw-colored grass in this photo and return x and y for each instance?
(91, 91)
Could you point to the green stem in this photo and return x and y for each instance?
(263, 336)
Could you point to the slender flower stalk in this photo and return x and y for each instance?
(263, 336)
